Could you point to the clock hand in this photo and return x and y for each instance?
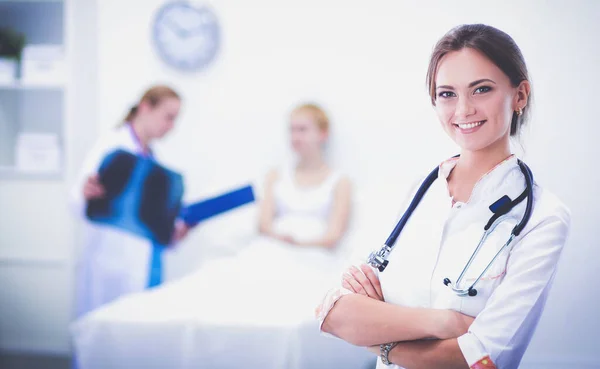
(193, 31)
(175, 27)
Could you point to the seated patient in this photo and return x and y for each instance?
(309, 193)
(256, 307)
(305, 205)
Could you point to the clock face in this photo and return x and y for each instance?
(186, 37)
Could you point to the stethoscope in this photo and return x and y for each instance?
(501, 207)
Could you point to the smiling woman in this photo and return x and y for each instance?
(507, 67)
(485, 104)
(479, 87)
(186, 37)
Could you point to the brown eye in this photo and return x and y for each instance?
(446, 94)
(482, 89)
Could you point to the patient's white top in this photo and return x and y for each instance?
(303, 212)
(441, 236)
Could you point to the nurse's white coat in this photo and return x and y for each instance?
(112, 263)
(440, 237)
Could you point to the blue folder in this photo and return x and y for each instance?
(202, 210)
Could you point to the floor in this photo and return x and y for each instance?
(27, 361)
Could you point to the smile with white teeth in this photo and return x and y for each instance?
(469, 125)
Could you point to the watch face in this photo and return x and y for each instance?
(185, 36)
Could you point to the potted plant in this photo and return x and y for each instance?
(11, 48)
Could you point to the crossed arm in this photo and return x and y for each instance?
(506, 328)
(427, 337)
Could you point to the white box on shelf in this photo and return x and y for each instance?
(37, 152)
(8, 71)
(43, 65)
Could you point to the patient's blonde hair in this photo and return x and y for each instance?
(316, 112)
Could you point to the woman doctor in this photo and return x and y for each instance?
(479, 87)
(113, 262)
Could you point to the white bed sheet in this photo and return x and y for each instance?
(255, 310)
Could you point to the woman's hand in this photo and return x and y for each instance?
(181, 231)
(92, 188)
(284, 238)
(363, 281)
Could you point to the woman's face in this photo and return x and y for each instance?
(161, 118)
(475, 100)
(306, 136)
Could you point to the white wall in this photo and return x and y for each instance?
(366, 62)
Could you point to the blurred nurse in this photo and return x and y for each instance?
(114, 262)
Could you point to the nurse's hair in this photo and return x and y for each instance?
(317, 113)
(153, 96)
(497, 46)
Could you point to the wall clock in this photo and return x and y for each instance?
(186, 36)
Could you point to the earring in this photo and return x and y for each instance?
(519, 112)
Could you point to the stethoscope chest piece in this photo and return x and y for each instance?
(379, 259)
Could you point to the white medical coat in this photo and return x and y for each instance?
(440, 237)
(113, 262)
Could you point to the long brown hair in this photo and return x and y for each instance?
(496, 45)
(153, 96)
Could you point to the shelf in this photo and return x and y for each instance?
(10, 173)
(33, 261)
(31, 86)
(33, 103)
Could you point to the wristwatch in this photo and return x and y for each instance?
(384, 352)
